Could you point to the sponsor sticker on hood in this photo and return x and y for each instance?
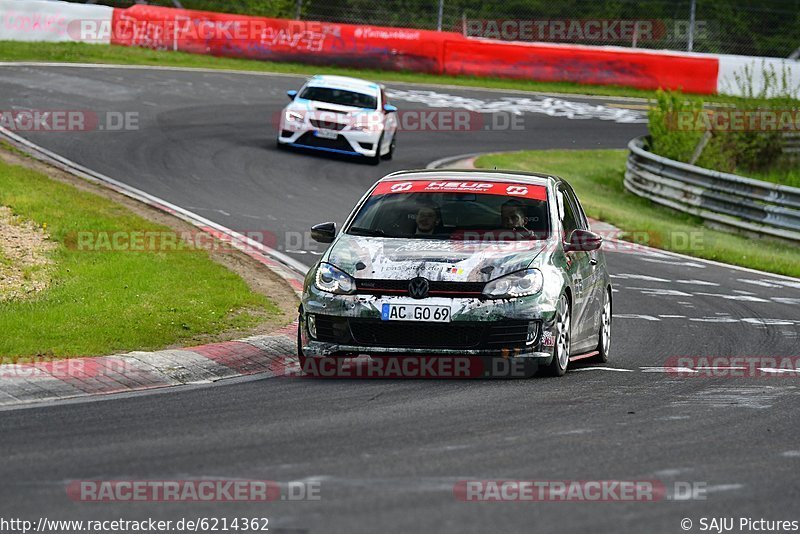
(456, 261)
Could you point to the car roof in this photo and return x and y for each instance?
(534, 178)
(344, 82)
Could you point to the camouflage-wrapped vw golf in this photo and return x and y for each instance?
(491, 266)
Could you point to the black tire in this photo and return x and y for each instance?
(376, 159)
(604, 341)
(389, 155)
(558, 367)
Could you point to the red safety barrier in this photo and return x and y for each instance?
(319, 43)
(581, 64)
(322, 43)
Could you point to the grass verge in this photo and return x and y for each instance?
(102, 302)
(87, 53)
(597, 176)
(784, 174)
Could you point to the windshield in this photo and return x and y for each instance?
(451, 210)
(342, 97)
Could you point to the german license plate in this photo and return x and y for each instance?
(326, 134)
(415, 312)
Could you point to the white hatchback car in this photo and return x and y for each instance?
(340, 115)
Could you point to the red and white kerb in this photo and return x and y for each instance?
(535, 192)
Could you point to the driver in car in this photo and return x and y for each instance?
(427, 219)
(512, 216)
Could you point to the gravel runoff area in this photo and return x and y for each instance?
(24, 261)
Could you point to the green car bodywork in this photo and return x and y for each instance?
(579, 275)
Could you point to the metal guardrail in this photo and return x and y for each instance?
(791, 143)
(743, 204)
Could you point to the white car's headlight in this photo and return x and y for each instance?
(367, 127)
(518, 284)
(294, 116)
(333, 280)
(367, 123)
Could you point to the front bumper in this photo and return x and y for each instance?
(350, 142)
(351, 325)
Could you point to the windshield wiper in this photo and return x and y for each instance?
(357, 230)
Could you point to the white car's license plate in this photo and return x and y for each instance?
(326, 134)
(415, 312)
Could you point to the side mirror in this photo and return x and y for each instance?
(388, 108)
(323, 233)
(292, 94)
(583, 240)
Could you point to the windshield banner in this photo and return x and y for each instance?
(535, 192)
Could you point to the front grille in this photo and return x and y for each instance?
(497, 335)
(327, 125)
(436, 289)
(415, 335)
(309, 139)
(456, 335)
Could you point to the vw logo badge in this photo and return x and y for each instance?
(418, 287)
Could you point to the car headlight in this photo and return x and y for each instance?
(333, 280)
(518, 284)
(369, 123)
(367, 127)
(294, 116)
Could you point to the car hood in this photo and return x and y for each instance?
(301, 104)
(461, 261)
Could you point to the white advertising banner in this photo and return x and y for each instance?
(44, 20)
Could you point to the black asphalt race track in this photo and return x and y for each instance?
(387, 454)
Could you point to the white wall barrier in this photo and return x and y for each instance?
(740, 74)
(44, 20)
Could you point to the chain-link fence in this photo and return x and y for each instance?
(747, 27)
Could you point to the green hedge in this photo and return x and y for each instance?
(736, 140)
